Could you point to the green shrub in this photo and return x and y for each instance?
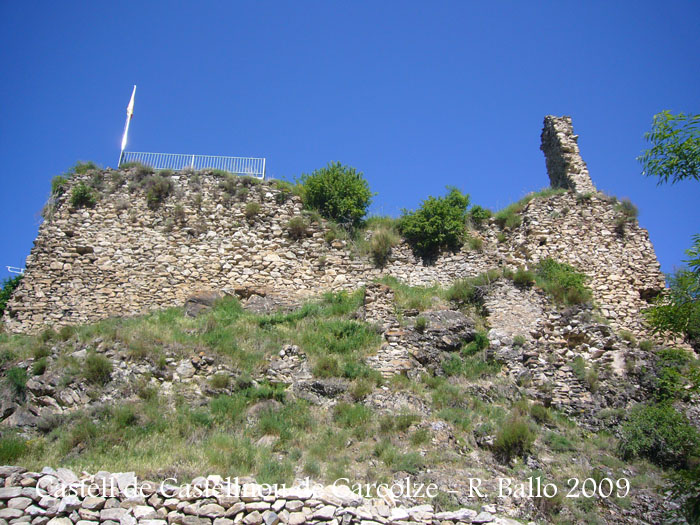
(157, 189)
(297, 228)
(523, 278)
(476, 243)
(478, 215)
(82, 167)
(472, 290)
(17, 379)
(351, 415)
(558, 442)
(480, 342)
(513, 439)
(380, 245)
(583, 197)
(11, 449)
(66, 332)
(219, 381)
(8, 287)
(562, 282)
(58, 185)
(646, 345)
(97, 369)
(39, 366)
(360, 389)
(626, 209)
(138, 171)
(82, 196)
(421, 324)
(659, 433)
(252, 209)
(509, 217)
(628, 336)
(439, 223)
(337, 192)
(518, 340)
(327, 366)
(540, 414)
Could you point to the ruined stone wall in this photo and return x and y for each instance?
(60, 497)
(122, 258)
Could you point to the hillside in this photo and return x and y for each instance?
(182, 325)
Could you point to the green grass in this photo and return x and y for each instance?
(509, 217)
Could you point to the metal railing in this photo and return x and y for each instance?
(253, 167)
(14, 269)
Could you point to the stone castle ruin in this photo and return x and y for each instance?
(121, 257)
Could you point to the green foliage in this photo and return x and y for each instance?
(17, 379)
(675, 148)
(39, 366)
(472, 290)
(518, 340)
(440, 223)
(421, 324)
(219, 381)
(82, 196)
(8, 287)
(627, 209)
(677, 375)
(562, 282)
(475, 243)
(514, 438)
(157, 189)
(58, 185)
(297, 228)
(479, 216)
(412, 297)
(686, 488)
(252, 209)
(97, 369)
(11, 449)
(470, 367)
(382, 241)
(540, 414)
(659, 433)
(677, 310)
(337, 192)
(509, 217)
(351, 415)
(523, 278)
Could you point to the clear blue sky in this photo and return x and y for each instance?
(417, 95)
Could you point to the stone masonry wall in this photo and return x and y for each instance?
(122, 258)
(60, 497)
(564, 163)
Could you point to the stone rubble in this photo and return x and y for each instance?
(60, 497)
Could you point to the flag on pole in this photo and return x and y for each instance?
(129, 115)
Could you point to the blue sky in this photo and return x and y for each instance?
(417, 95)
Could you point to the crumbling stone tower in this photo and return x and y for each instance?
(565, 166)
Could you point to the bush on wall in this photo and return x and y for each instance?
(439, 223)
(338, 192)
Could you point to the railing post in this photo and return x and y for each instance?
(192, 161)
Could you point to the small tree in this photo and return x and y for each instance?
(338, 192)
(8, 286)
(439, 223)
(675, 148)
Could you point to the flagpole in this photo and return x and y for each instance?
(129, 115)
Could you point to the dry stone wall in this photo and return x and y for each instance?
(61, 497)
(123, 258)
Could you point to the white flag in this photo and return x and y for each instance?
(129, 115)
